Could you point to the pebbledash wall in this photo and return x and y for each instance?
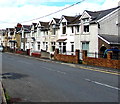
(108, 62)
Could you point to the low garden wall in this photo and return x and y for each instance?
(104, 62)
(36, 55)
(45, 54)
(67, 58)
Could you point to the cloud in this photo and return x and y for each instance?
(14, 11)
(110, 4)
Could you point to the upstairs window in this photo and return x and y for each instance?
(53, 31)
(63, 27)
(86, 28)
(85, 20)
(64, 30)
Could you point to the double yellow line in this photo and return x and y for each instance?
(103, 71)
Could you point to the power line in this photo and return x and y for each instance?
(47, 14)
(54, 12)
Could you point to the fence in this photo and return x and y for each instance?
(115, 56)
(67, 53)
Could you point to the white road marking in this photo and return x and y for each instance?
(102, 84)
(54, 70)
(61, 72)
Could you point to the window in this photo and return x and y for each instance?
(46, 46)
(86, 28)
(64, 30)
(38, 45)
(43, 45)
(60, 47)
(64, 47)
(77, 28)
(72, 28)
(53, 46)
(54, 32)
(47, 33)
(72, 46)
(85, 20)
(32, 44)
(85, 46)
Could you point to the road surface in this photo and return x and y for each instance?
(31, 80)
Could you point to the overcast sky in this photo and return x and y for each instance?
(17, 11)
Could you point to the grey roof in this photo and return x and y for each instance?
(35, 24)
(27, 28)
(96, 15)
(44, 24)
(72, 19)
(69, 18)
(76, 19)
(56, 20)
(2, 32)
(112, 39)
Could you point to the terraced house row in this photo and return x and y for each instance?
(94, 31)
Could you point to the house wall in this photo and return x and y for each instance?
(91, 36)
(52, 38)
(108, 25)
(77, 37)
(18, 39)
(69, 36)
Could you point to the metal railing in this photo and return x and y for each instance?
(115, 56)
(67, 53)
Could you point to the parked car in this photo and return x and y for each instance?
(1, 48)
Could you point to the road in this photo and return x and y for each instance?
(31, 80)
